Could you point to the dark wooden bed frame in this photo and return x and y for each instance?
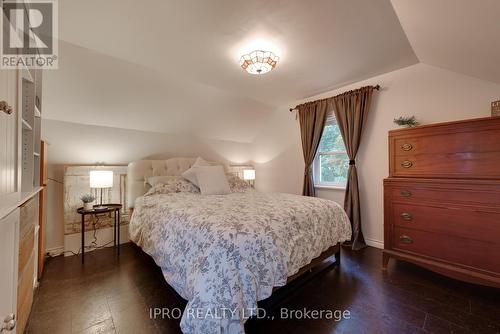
(305, 274)
(334, 250)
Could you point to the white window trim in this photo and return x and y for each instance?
(330, 187)
(316, 167)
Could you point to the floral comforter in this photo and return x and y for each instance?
(223, 253)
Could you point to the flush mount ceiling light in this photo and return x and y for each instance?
(259, 62)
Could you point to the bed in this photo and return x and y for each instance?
(224, 253)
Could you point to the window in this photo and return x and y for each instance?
(331, 163)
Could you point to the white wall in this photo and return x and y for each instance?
(71, 143)
(430, 93)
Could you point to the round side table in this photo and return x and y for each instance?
(116, 226)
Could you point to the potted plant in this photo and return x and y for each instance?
(87, 200)
(408, 121)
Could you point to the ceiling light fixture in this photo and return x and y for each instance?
(259, 62)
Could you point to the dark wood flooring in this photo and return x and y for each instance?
(110, 294)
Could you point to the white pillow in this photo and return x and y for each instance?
(154, 180)
(190, 174)
(212, 180)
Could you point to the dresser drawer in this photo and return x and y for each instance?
(468, 252)
(470, 150)
(465, 222)
(472, 193)
(28, 218)
(447, 143)
(480, 165)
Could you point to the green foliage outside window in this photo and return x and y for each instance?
(332, 159)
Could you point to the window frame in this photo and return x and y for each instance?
(317, 165)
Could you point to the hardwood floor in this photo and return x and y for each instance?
(110, 294)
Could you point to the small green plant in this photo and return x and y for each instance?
(87, 198)
(409, 121)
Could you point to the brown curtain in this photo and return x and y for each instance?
(351, 111)
(312, 117)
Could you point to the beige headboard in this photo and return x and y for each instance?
(139, 171)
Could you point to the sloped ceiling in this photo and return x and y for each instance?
(459, 35)
(172, 66)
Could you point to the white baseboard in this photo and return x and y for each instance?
(73, 242)
(374, 243)
(55, 251)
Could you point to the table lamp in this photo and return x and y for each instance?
(101, 179)
(249, 176)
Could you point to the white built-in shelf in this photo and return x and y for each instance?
(26, 125)
(12, 201)
(37, 112)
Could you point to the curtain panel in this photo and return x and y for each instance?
(312, 118)
(351, 110)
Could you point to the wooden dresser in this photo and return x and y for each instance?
(442, 199)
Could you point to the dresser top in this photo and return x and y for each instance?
(483, 121)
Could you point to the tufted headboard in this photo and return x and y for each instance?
(139, 171)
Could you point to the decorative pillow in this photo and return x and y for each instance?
(212, 180)
(175, 185)
(237, 185)
(190, 174)
(154, 180)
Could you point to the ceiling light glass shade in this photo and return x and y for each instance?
(259, 62)
(249, 174)
(101, 179)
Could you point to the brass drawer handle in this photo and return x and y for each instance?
(406, 147)
(406, 216)
(405, 193)
(406, 164)
(406, 239)
(4, 106)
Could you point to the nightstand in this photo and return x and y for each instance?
(116, 226)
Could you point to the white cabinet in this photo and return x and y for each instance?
(9, 224)
(9, 245)
(8, 132)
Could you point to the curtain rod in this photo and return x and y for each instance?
(376, 87)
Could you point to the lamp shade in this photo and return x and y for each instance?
(249, 174)
(101, 179)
